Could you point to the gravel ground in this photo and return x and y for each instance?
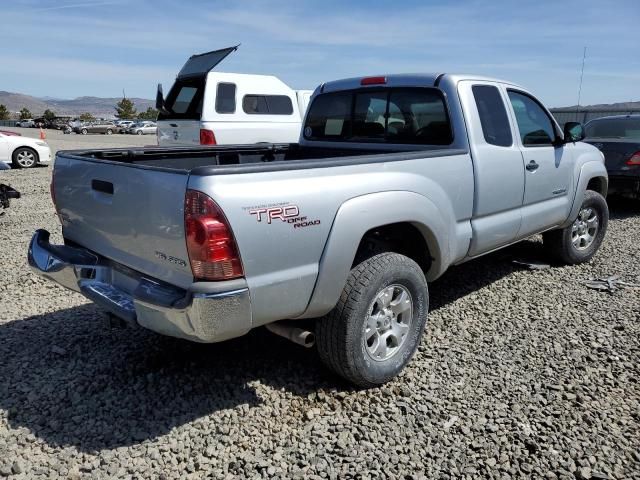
(520, 374)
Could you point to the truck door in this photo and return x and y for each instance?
(498, 167)
(548, 168)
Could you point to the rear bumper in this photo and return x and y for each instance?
(200, 314)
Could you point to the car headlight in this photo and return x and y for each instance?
(42, 144)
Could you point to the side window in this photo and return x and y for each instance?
(183, 99)
(493, 115)
(255, 105)
(279, 105)
(267, 105)
(534, 124)
(226, 98)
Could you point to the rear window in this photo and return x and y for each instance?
(184, 101)
(267, 105)
(628, 128)
(395, 115)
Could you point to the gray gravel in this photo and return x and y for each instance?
(520, 374)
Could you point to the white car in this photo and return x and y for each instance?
(23, 152)
(146, 128)
(28, 122)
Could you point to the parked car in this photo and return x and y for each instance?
(213, 108)
(618, 138)
(23, 152)
(26, 123)
(144, 128)
(96, 127)
(345, 228)
(124, 125)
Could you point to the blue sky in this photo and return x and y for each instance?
(71, 48)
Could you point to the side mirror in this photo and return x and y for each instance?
(573, 132)
(159, 99)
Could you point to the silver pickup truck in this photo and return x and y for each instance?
(394, 179)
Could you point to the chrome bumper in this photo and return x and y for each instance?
(200, 316)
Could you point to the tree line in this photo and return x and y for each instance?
(125, 110)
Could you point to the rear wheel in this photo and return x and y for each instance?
(376, 327)
(139, 132)
(109, 131)
(84, 131)
(25, 157)
(580, 241)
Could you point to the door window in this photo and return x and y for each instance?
(493, 115)
(533, 122)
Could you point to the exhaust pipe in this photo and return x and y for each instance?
(296, 335)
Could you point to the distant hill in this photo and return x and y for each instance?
(604, 106)
(97, 106)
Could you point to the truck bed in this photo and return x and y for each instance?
(267, 157)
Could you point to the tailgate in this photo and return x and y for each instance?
(134, 216)
(178, 132)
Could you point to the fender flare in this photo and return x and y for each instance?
(357, 216)
(588, 172)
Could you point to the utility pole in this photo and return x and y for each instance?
(584, 56)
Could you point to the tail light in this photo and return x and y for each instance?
(207, 137)
(213, 252)
(635, 159)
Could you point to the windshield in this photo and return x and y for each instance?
(390, 115)
(628, 128)
(184, 101)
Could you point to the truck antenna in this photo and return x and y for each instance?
(584, 56)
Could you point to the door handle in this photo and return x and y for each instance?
(532, 166)
(102, 186)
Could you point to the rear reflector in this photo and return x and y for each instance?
(207, 137)
(635, 159)
(373, 81)
(213, 252)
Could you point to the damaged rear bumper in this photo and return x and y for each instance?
(206, 312)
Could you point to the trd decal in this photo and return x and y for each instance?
(287, 213)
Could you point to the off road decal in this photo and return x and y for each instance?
(286, 212)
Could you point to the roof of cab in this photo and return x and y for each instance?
(407, 80)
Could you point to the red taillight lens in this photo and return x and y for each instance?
(213, 252)
(373, 81)
(207, 137)
(635, 159)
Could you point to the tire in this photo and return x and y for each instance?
(25, 157)
(84, 131)
(139, 132)
(579, 242)
(349, 338)
(109, 131)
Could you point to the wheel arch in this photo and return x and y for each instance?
(363, 218)
(592, 176)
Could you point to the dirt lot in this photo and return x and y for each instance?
(520, 374)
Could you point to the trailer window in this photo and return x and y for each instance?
(395, 115)
(267, 105)
(226, 98)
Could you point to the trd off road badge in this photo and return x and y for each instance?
(284, 212)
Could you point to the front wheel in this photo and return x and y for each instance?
(109, 132)
(376, 327)
(25, 157)
(139, 132)
(84, 131)
(580, 241)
